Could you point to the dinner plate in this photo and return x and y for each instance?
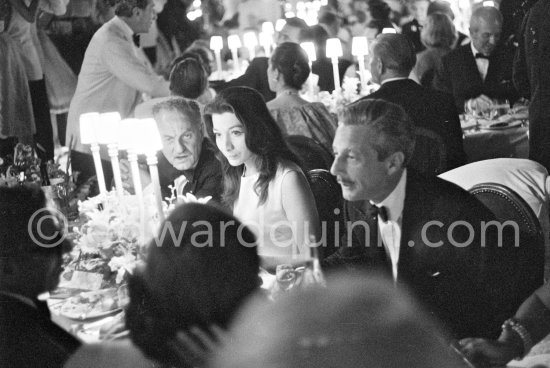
(91, 304)
(501, 125)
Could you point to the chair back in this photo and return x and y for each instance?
(528, 255)
(330, 206)
(312, 154)
(430, 153)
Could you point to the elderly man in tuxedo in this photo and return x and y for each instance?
(425, 233)
(31, 249)
(187, 161)
(392, 60)
(479, 71)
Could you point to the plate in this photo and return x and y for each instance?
(91, 304)
(501, 125)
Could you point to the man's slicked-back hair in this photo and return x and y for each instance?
(189, 109)
(488, 14)
(396, 52)
(301, 25)
(390, 128)
(124, 7)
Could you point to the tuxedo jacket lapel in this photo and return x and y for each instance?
(471, 64)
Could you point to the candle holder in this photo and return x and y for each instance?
(334, 51)
(88, 125)
(360, 48)
(216, 44)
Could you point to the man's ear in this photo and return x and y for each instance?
(136, 12)
(395, 162)
(380, 66)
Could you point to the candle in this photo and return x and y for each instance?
(108, 132)
(88, 126)
(149, 143)
(334, 51)
(250, 41)
(216, 44)
(360, 48)
(234, 43)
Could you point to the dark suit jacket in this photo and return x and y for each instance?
(255, 77)
(459, 76)
(428, 109)
(412, 30)
(467, 288)
(28, 338)
(323, 68)
(204, 180)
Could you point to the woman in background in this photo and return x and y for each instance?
(438, 35)
(263, 183)
(287, 72)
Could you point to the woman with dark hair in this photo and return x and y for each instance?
(197, 277)
(438, 36)
(287, 72)
(263, 183)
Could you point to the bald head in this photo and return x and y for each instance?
(393, 56)
(485, 29)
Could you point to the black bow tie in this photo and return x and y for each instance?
(135, 38)
(479, 55)
(379, 211)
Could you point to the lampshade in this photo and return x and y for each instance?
(216, 43)
(279, 24)
(359, 46)
(148, 139)
(128, 136)
(233, 42)
(389, 30)
(309, 48)
(88, 125)
(108, 127)
(250, 40)
(265, 39)
(267, 27)
(334, 48)
(489, 3)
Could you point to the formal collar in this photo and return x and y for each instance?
(124, 27)
(395, 201)
(393, 79)
(23, 299)
(475, 51)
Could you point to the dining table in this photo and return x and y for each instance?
(507, 136)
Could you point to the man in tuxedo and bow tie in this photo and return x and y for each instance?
(392, 59)
(31, 249)
(187, 161)
(481, 70)
(425, 233)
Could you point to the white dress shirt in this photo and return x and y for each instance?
(113, 76)
(482, 64)
(390, 231)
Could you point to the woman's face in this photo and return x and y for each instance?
(230, 139)
(272, 75)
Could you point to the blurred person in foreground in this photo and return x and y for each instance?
(194, 280)
(30, 265)
(357, 321)
(423, 232)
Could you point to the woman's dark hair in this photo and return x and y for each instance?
(263, 137)
(377, 24)
(292, 62)
(202, 53)
(188, 78)
(199, 274)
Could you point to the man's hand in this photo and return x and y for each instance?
(195, 346)
(480, 104)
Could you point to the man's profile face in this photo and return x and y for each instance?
(356, 166)
(181, 139)
(419, 9)
(145, 18)
(485, 36)
(288, 34)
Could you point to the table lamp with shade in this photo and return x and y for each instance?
(234, 44)
(334, 51)
(359, 49)
(107, 133)
(216, 45)
(88, 129)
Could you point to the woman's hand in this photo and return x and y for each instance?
(488, 353)
(195, 346)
